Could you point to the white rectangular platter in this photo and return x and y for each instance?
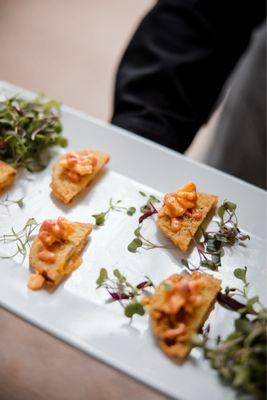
(78, 313)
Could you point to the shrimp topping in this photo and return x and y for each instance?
(51, 232)
(78, 164)
(176, 297)
(181, 203)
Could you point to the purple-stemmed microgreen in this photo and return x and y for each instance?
(204, 258)
(227, 299)
(28, 128)
(148, 206)
(211, 249)
(149, 210)
(101, 217)
(123, 291)
(240, 358)
(141, 242)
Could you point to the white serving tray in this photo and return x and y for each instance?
(78, 313)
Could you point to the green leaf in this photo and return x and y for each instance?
(240, 273)
(243, 310)
(209, 264)
(99, 218)
(144, 208)
(134, 308)
(142, 194)
(228, 205)
(52, 104)
(234, 335)
(241, 375)
(153, 199)
(20, 202)
(117, 274)
(31, 222)
(252, 301)
(30, 127)
(137, 232)
(221, 211)
(243, 325)
(134, 245)
(103, 276)
(131, 211)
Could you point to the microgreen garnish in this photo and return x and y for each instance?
(101, 217)
(22, 238)
(149, 210)
(141, 242)
(204, 260)
(226, 299)
(211, 248)
(8, 202)
(27, 128)
(120, 289)
(240, 358)
(151, 199)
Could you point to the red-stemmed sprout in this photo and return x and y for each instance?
(123, 291)
(211, 248)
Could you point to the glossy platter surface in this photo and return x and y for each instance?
(80, 314)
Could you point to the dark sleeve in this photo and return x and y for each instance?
(176, 64)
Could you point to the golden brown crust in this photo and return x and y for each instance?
(7, 175)
(183, 237)
(163, 323)
(64, 189)
(67, 254)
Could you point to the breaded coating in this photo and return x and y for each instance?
(7, 175)
(189, 225)
(179, 308)
(67, 257)
(65, 189)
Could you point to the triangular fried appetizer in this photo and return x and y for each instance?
(7, 175)
(55, 253)
(179, 308)
(183, 212)
(74, 171)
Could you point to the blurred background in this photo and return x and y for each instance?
(67, 49)
(70, 51)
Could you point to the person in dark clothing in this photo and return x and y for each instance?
(173, 71)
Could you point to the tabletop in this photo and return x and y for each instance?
(35, 365)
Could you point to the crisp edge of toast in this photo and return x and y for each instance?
(182, 238)
(59, 179)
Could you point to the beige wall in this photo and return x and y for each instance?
(68, 49)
